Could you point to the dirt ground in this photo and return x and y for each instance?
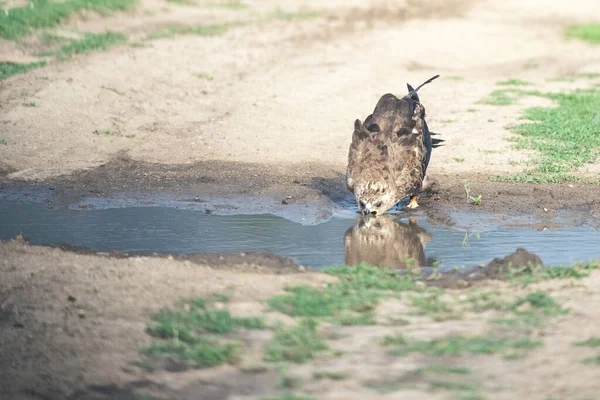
(274, 121)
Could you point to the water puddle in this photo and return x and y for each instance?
(385, 241)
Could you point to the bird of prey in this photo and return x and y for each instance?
(386, 242)
(390, 152)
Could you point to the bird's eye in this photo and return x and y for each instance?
(378, 204)
(362, 204)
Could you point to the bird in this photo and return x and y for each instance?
(386, 242)
(390, 153)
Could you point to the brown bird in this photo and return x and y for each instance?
(386, 242)
(390, 152)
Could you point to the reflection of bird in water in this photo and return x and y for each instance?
(386, 242)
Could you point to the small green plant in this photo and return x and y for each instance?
(111, 89)
(514, 82)
(430, 303)
(458, 159)
(475, 200)
(288, 396)
(334, 376)
(234, 5)
(290, 16)
(30, 104)
(592, 360)
(454, 77)
(99, 132)
(204, 75)
(530, 64)
(4, 142)
(171, 31)
(90, 42)
(296, 344)
(588, 32)
(471, 110)
(10, 69)
(447, 121)
(441, 370)
(591, 342)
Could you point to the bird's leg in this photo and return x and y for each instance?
(413, 202)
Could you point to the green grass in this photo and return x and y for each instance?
(456, 345)
(539, 301)
(289, 396)
(291, 15)
(532, 274)
(189, 333)
(297, 344)
(471, 110)
(351, 301)
(30, 104)
(458, 159)
(204, 75)
(449, 385)
(99, 132)
(334, 376)
(234, 5)
(484, 301)
(90, 42)
(505, 97)
(592, 360)
(111, 89)
(441, 370)
(4, 142)
(19, 21)
(432, 305)
(10, 69)
(588, 32)
(591, 342)
(454, 77)
(564, 136)
(514, 82)
(200, 352)
(171, 31)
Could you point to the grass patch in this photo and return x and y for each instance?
(456, 345)
(485, 301)
(455, 77)
(30, 104)
(296, 344)
(200, 353)
(234, 5)
(291, 15)
(565, 136)
(334, 376)
(449, 385)
(530, 64)
(458, 159)
(190, 332)
(592, 360)
(19, 21)
(441, 370)
(351, 301)
(289, 396)
(99, 132)
(111, 89)
(591, 342)
(3, 142)
(514, 82)
(204, 75)
(90, 42)
(171, 31)
(588, 32)
(10, 69)
(432, 305)
(532, 274)
(472, 110)
(447, 121)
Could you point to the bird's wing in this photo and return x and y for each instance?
(366, 151)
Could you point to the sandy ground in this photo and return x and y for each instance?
(275, 121)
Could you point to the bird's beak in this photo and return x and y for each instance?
(368, 209)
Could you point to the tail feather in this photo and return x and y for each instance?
(412, 93)
(436, 143)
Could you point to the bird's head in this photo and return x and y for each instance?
(374, 198)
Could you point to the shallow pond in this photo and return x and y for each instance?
(385, 241)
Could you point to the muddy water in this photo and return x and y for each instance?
(385, 241)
